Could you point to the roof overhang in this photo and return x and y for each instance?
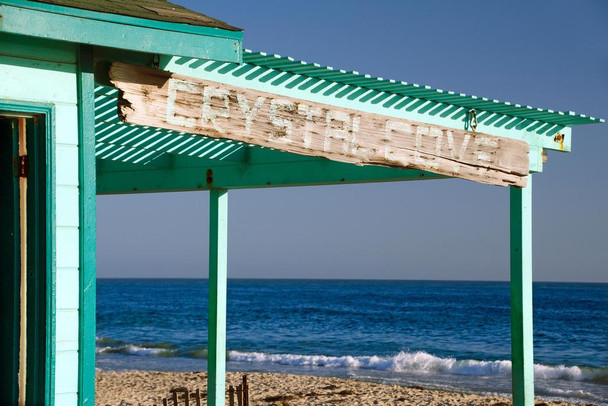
(525, 113)
(118, 31)
(155, 157)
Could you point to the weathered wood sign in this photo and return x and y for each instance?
(158, 98)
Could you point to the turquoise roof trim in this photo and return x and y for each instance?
(76, 25)
(353, 78)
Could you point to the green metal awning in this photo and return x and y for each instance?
(134, 157)
(358, 80)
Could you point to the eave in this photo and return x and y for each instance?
(117, 31)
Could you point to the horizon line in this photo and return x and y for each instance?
(343, 279)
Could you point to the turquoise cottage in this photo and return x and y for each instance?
(103, 97)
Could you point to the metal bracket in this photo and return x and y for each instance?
(20, 165)
(209, 178)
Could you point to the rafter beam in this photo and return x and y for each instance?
(115, 178)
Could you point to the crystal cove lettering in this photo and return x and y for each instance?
(194, 105)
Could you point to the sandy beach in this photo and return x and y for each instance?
(148, 388)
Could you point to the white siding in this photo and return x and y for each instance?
(51, 78)
(68, 198)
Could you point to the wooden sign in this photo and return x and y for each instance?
(161, 99)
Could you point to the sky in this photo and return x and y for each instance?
(549, 54)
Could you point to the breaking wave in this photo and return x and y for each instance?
(110, 346)
(422, 362)
(410, 362)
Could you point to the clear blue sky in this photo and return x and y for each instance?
(550, 54)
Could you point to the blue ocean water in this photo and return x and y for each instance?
(443, 335)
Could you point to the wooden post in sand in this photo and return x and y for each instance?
(218, 253)
(239, 395)
(231, 396)
(522, 356)
(245, 391)
(198, 397)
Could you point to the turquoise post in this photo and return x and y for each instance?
(522, 356)
(218, 254)
(87, 210)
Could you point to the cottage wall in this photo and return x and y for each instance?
(36, 70)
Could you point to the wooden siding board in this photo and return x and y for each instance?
(67, 247)
(67, 326)
(66, 398)
(65, 346)
(66, 373)
(65, 285)
(65, 131)
(67, 199)
(67, 165)
(25, 79)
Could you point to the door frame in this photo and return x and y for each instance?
(45, 112)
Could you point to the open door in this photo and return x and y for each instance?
(24, 364)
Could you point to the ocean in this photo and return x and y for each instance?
(440, 335)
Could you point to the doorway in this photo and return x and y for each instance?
(24, 267)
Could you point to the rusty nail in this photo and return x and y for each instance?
(209, 177)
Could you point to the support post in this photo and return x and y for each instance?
(522, 356)
(87, 229)
(218, 253)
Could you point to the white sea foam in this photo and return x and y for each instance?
(131, 349)
(419, 362)
(137, 350)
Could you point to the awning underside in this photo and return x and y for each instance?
(138, 158)
(118, 141)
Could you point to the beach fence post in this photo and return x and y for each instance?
(239, 395)
(245, 391)
(198, 397)
(218, 254)
(231, 396)
(522, 356)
